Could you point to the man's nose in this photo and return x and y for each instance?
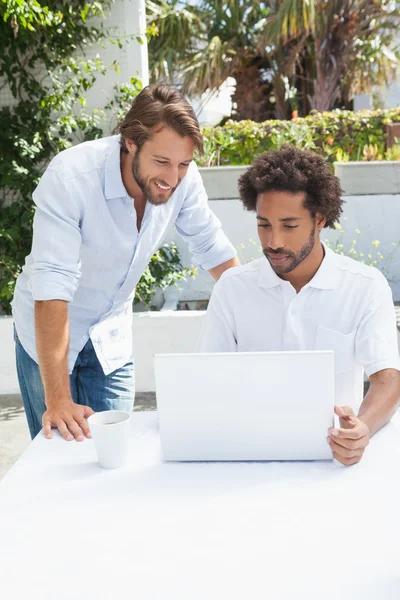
(172, 177)
(275, 240)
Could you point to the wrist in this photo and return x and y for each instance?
(53, 401)
(364, 419)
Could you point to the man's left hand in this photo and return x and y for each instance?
(349, 442)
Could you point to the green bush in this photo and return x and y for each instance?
(163, 271)
(340, 134)
(48, 114)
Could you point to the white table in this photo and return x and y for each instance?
(152, 530)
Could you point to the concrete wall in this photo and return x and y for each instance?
(152, 333)
(126, 18)
(375, 215)
(377, 218)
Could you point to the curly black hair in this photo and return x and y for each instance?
(292, 170)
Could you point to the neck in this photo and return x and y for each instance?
(306, 270)
(128, 179)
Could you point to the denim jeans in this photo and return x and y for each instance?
(89, 385)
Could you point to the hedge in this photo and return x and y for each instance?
(337, 135)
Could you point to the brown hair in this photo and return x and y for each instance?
(159, 104)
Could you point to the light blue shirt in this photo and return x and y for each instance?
(87, 250)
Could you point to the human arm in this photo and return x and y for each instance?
(200, 228)
(377, 351)
(54, 279)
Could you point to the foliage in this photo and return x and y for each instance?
(374, 257)
(46, 83)
(337, 135)
(164, 270)
(337, 47)
(285, 55)
(48, 80)
(201, 44)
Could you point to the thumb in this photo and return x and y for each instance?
(344, 411)
(87, 412)
(346, 416)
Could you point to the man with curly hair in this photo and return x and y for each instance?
(303, 296)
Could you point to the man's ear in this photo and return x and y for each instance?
(320, 222)
(130, 146)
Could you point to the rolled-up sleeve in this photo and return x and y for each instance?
(56, 239)
(201, 229)
(377, 338)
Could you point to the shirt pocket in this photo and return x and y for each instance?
(342, 344)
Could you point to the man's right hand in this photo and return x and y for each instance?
(69, 418)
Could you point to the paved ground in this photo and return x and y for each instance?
(14, 432)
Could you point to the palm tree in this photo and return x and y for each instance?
(202, 45)
(310, 54)
(348, 46)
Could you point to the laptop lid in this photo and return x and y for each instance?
(245, 406)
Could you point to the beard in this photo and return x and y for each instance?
(293, 258)
(145, 184)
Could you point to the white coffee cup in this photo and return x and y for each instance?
(110, 430)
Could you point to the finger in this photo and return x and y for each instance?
(75, 430)
(83, 424)
(347, 461)
(345, 452)
(63, 429)
(47, 428)
(351, 434)
(87, 411)
(361, 443)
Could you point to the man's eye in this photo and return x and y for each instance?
(291, 226)
(263, 225)
(161, 162)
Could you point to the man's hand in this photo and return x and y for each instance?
(349, 442)
(69, 418)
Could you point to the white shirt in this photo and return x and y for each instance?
(87, 250)
(347, 307)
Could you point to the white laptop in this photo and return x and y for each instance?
(245, 406)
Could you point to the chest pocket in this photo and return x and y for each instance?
(342, 344)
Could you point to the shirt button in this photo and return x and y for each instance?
(84, 339)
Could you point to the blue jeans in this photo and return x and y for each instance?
(89, 385)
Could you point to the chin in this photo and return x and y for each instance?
(158, 200)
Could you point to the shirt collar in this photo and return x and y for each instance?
(113, 184)
(326, 278)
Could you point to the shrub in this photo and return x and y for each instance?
(164, 270)
(340, 134)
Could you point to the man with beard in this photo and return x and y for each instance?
(102, 210)
(303, 296)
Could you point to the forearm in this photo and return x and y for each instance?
(52, 343)
(381, 400)
(217, 271)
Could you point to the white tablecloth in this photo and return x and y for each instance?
(153, 530)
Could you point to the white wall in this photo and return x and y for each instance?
(211, 108)
(377, 217)
(152, 333)
(127, 17)
(8, 374)
(162, 332)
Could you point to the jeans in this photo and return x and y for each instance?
(89, 385)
